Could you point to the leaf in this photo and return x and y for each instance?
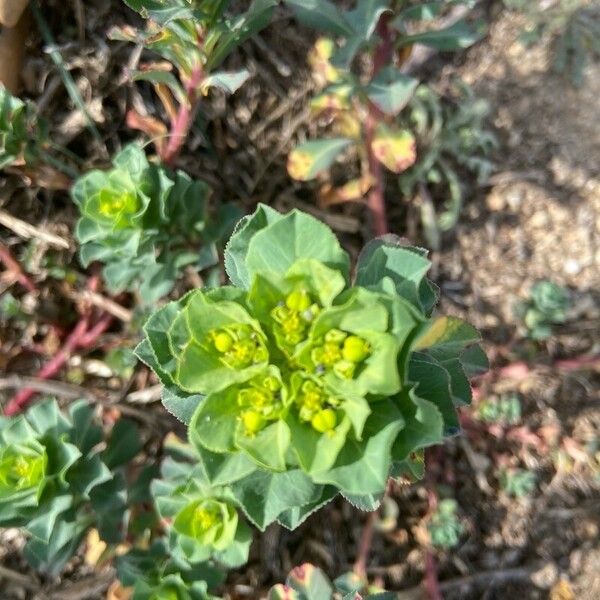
(447, 336)
(237, 247)
(109, 503)
(294, 517)
(362, 467)
(394, 148)
(223, 469)
(424, 425)
(263, 496)
(309, 159)
(455, 37)
(123, 444)
(310, 582)
(241, 28)
(365, 502)
(41, 527)
(165, 78)
(161, 13)
(228, 82)
(268, 447)
(366, 15)
(404, 265)
(321, 15)
(297, 235)
(433, 383)
(182, 407)
(422, 12)
(474, 361)
(391, 90)
(51, 557)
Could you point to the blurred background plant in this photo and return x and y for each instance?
(25, 146)
(573, 26)
(193, 39)
(444, 527)
(505, 410)
(547, 305)
(517, 482)
(452, 140)
(361, 106)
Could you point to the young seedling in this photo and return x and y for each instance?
(505, 410)
(307, 582)
(445, 528)
(194, 39)
(364, 108)
(145, 225)
(297, 378)
(517, 482)
(451, 139)
(547, 306)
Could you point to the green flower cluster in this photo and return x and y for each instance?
(295, 371)
(53, 482)
(144, 225)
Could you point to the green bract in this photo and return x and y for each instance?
(204, 523)
(55, 483)
(298, 380)
(145, 225)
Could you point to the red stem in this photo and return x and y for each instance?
(20, 401)
(183, 121)
(15, 268)
(376, 198)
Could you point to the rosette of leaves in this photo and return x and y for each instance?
(143, 224)
(55, 483)
(452, 139)
(307, 582)
(203, 519)
(547, 306)
(153, 574)
(363, 111)
(297, 383)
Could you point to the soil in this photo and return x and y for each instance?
(538, 218)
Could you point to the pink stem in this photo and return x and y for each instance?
(183, 121)
(376, 198)
(15, 268)
(20, 401)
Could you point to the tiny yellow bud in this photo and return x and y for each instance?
(325, 420)
(253, 421)
(298, 300)
(223, 342)
(355, 349)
